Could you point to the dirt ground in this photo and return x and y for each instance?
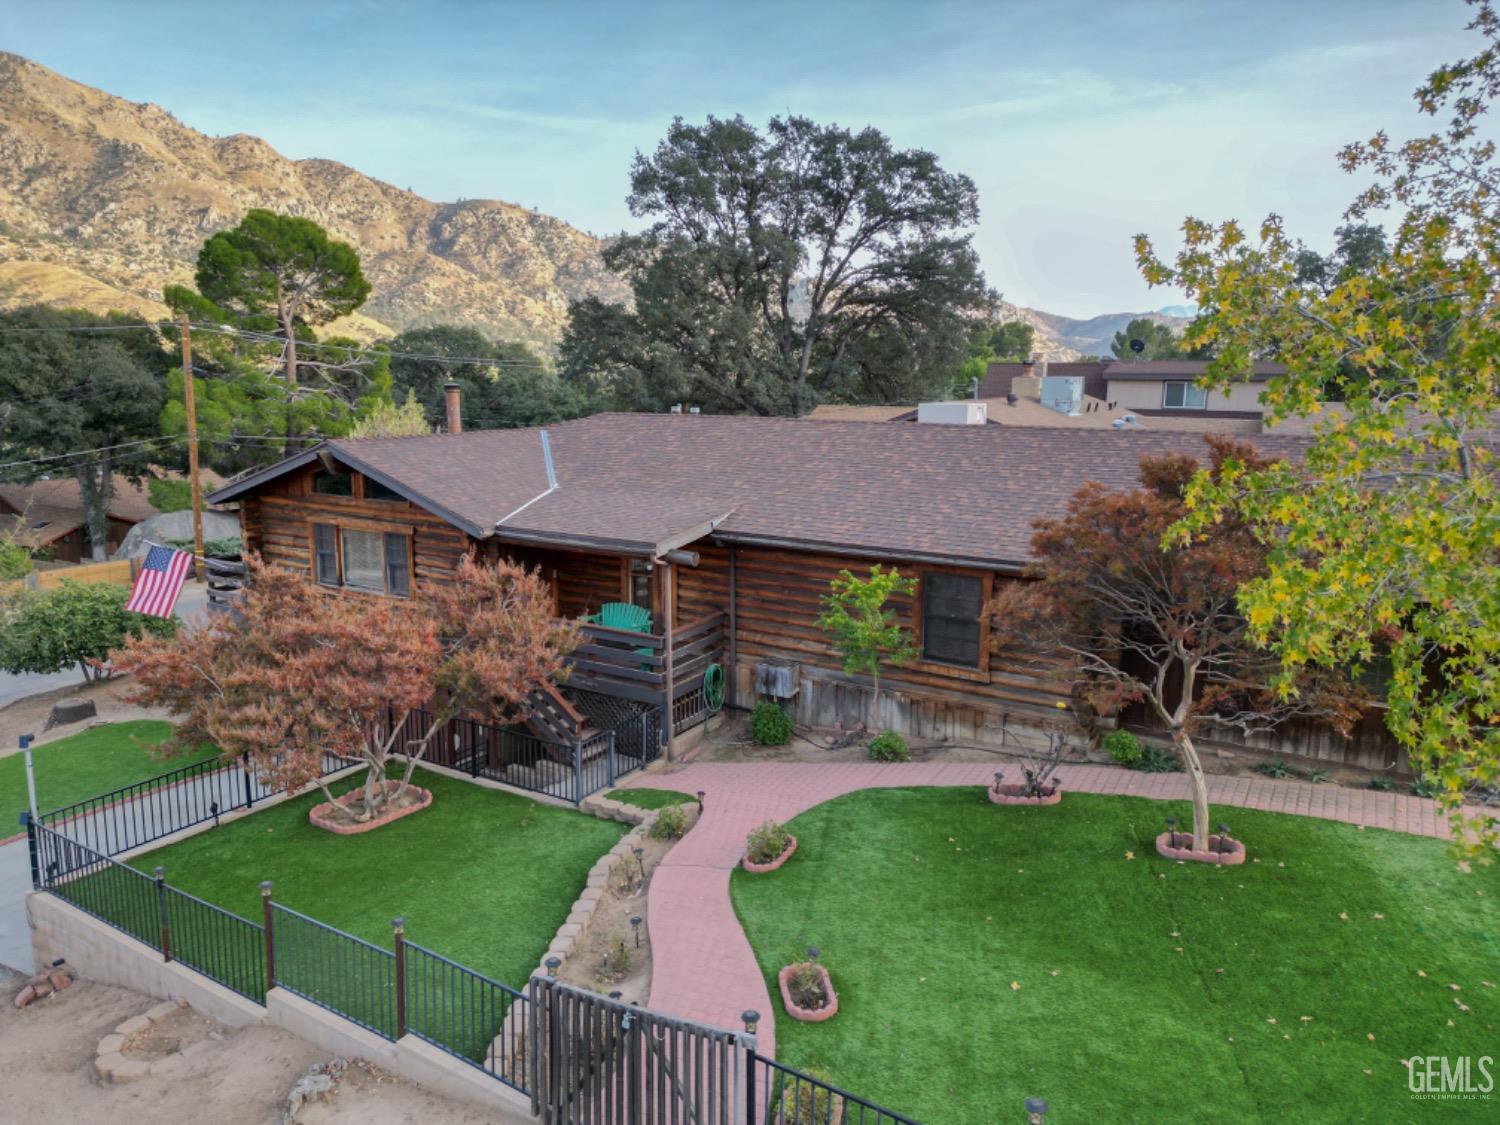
(594, 962)
(732, 743)
(29, 715)
(202, 1071)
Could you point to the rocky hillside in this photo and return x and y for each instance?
(1063, 337)
(104, 201)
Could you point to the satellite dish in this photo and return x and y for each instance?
(1138, 346)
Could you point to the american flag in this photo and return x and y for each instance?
(160, 581)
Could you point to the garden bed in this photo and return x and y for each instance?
(1221, 850)
(1014, 793)
(762, 868)
(341, 815)
(1287, 989)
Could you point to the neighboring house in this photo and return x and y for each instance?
(48, 515)
(728, 531)
(1088, 395)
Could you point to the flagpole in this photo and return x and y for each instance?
(30, 778)
(192, 436)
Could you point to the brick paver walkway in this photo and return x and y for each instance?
(703, 968)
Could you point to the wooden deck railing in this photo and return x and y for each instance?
(633, 665)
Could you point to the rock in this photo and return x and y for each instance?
(133, 1026)
(60, 979)
(25, 996)
(72, 710)
(111, 1044)
(129, 1070)
(163, 1010)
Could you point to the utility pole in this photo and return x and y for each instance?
(192, 434)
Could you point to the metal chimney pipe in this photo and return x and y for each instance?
(451, 402)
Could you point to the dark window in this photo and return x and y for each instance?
(640, 583)
(374, 490)
(951, 628)
(326, 554)
(397, 580)
(1183, 396)
(334, 484)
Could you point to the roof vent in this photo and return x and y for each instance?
(677, 408)
(695, 410)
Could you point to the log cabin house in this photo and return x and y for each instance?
(727, 530)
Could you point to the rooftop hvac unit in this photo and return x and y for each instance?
(1063, 393)
(776, 679)
(963, 413)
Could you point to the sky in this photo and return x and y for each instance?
(1081, 123)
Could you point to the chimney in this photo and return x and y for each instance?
(450, 400)
(1028, 367)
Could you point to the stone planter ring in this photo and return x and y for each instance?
(1225, 851)
(762, 868)
(808, 1015)
(1013, 793)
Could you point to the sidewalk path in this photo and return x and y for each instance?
(703, 968)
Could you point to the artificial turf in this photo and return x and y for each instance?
(983, 955)
(482, 877)
(650, 798)
(86, 764)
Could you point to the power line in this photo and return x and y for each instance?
(88, 452)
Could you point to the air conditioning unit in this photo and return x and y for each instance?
(777, 679)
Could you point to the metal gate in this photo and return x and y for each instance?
(596, 1061)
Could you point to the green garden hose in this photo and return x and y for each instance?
(713, 688)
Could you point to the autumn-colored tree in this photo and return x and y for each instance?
(862, 627)
(1143, 623)
(1389, 532)
(302, 671)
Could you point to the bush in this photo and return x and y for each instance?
(1156, 760)
(227, 548)
(767, 842)
(170, 495)
(803, 1103)
(1383, 784)
(74, 624)
(15, 560)
(1424, 787)
(888, 746)
(770, 725)
(1276, 768)
(670, 823)
(1123, 747)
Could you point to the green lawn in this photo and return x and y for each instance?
(482, 877)
(651, 798)
(84, 765)
(1285, 990)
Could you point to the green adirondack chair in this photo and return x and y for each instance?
(623, 615)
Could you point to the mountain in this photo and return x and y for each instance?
(103, 202)
(1064, 337)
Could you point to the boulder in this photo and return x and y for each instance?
(175, 525)
(71, 710)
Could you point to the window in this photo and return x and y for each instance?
(1183, 396)
(377, 562)
(640, 583)
(951, 629)
(334, 484)
(325, 555)
(374, 490)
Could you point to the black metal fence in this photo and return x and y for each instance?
(334, 970)
(147, 811)
(517, 757)
(782, 1095)
(584, 1059)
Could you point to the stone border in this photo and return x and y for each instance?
(598, 879)
(808, 1015)
(1011, 794)
(318, 814)
(1233, 856)
(110, 1062)
(762, 868)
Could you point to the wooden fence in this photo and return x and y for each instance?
(120, 572)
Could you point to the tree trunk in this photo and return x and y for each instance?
(95, 484)
(875, 699)
(376, 772)
(1198, 785)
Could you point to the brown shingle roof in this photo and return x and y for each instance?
(1153, 369)
(651, 482)
(61, 495)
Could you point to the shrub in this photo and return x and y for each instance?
(767, 842)
(75, 624)
(803, 1103)
(1424, 787)
(1317, 777)
(770, 725)
(1276, 768)
(1123, 747)
(170, 495)
(15, 560)
(1383, 784)
(806, 986)
(1156, 760)
(227, 548)
(888, 746)
(670, 823)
